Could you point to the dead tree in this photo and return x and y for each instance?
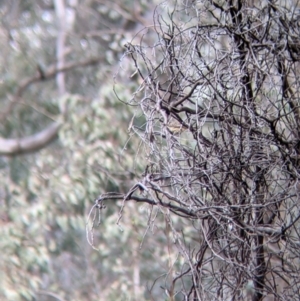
(221, 95)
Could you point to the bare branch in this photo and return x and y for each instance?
(46, 74)
(29, 144)
(226, 73)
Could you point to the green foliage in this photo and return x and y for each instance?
(46, 196)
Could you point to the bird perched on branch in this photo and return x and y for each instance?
(175, 127)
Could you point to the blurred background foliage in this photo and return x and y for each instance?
(46, 195)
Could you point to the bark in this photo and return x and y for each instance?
(29, 144)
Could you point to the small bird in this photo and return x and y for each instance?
(175, 127)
